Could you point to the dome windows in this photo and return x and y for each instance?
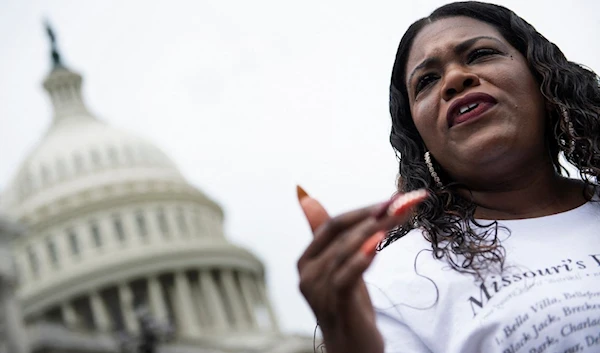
(73, 242)
(163, 224)
(157, 223)
(34, 262)
(181, 221)
(95, 233)
(52, 251)
(140, 221)
(40, 175)
(118, 228)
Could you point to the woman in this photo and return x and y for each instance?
(502, 252)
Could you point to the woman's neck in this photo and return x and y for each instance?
(539, 195)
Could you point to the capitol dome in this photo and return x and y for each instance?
(112, 227)
(79, 152)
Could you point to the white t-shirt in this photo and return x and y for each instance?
(546, 300)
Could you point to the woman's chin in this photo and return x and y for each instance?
(486, 147)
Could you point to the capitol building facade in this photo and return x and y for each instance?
(112, 247)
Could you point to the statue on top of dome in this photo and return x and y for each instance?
(55, 55)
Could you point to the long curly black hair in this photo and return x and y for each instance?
(446, 218)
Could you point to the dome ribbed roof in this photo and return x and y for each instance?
(79, 151)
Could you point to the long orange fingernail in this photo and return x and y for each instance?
(301, 193)
(406, 201)
(370, 245)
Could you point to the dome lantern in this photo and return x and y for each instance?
(64, 87)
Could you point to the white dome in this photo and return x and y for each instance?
(80, 152)
(114, 233)
(107, 212)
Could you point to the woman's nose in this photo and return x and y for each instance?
(456, 81)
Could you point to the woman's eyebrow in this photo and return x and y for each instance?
(462, 47)
(459, 49)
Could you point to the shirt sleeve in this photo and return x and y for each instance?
(398, 337)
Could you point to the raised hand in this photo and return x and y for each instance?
(331, 268)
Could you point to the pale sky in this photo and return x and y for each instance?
(249, 98)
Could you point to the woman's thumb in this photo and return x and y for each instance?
(315, 213)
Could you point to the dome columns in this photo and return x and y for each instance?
(69, 315)
(99, 312)
(157, 299)
(213, 298)
(247, 285)
(234, 298)
(127, 309)
(185, 313)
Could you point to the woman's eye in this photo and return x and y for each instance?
(424, 82)
(480, 53)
